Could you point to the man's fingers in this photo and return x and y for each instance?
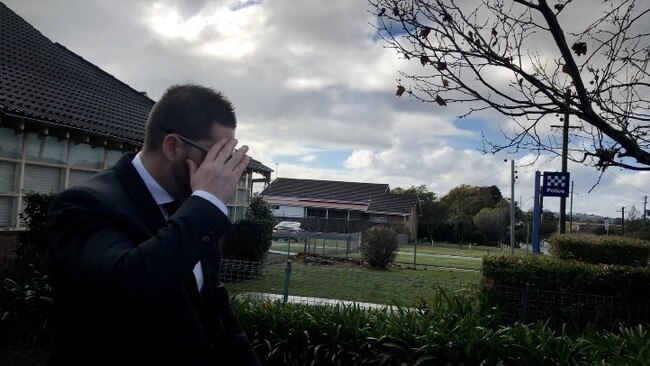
(226, 152)
(243, 164)
(237, 157)
(215, 149)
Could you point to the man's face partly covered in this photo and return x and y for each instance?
(196, 151)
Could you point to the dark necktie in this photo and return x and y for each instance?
(172, 207)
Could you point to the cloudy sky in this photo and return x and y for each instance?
(314, 90)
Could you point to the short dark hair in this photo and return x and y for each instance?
(189, 110)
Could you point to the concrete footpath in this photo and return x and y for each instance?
(315, 301)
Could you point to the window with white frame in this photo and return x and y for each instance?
(34, 162)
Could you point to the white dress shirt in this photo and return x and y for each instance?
(162, 197)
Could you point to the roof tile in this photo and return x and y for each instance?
(46, 82)
(324, 189)
(369, 197)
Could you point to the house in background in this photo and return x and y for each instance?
(63, 119)
(348, 203)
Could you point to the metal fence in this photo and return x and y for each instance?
(315, 279)
(528, 305)
(328, 280)
(332, 243)
(332, 225)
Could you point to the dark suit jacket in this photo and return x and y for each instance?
(124, 286)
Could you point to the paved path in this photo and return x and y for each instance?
(443, 256)
(315, 300)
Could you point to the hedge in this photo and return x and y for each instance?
(552, 274)
(601, 249)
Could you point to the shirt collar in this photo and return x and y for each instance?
(159, 194)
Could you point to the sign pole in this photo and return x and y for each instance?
(536, 215)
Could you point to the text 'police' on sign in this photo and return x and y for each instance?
(556, 184)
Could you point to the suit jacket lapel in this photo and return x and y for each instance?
(150, 214)
(143, 201)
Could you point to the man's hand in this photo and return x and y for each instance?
(220, 171)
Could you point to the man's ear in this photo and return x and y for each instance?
(170, 147)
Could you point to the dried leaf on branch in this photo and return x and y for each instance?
(580, 48)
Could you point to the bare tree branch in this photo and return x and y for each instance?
(606, 65)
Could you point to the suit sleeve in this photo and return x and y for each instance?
(90, 244)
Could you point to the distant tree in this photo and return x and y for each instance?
(548, 225)
(491, 56)
(434, 214)
(634, 222)
(493, 222)
(461, 227)
(463, 203)
(468, 200)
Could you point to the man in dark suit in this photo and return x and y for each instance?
(133, 250)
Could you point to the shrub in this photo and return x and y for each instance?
(249, 239)
(31, 254)
(26, 302)
(601, 249)
(643, 233)
(379, 246)
(569, 276)
(568, 292)
(456, 331)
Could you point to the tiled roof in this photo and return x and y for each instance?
(44, 81)
(318, 203)
(333, 191)
(393, 203)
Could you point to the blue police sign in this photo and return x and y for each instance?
(556, 184)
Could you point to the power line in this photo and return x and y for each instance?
(626, 182)
(486, 178)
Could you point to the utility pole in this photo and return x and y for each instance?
(571, 211)
(622, 211)
(512, 207)
(565, 152)
(565, 148)
(645, 207)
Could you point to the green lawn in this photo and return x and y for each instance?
(442, 264)
(423, 258)
(401, 286)
(453, 249)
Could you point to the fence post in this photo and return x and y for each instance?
(336, 251)
(525, 303)
(289, 249)
(287, 276)
(347, 246)
(415, 254)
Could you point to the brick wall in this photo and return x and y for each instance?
(8, 245)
